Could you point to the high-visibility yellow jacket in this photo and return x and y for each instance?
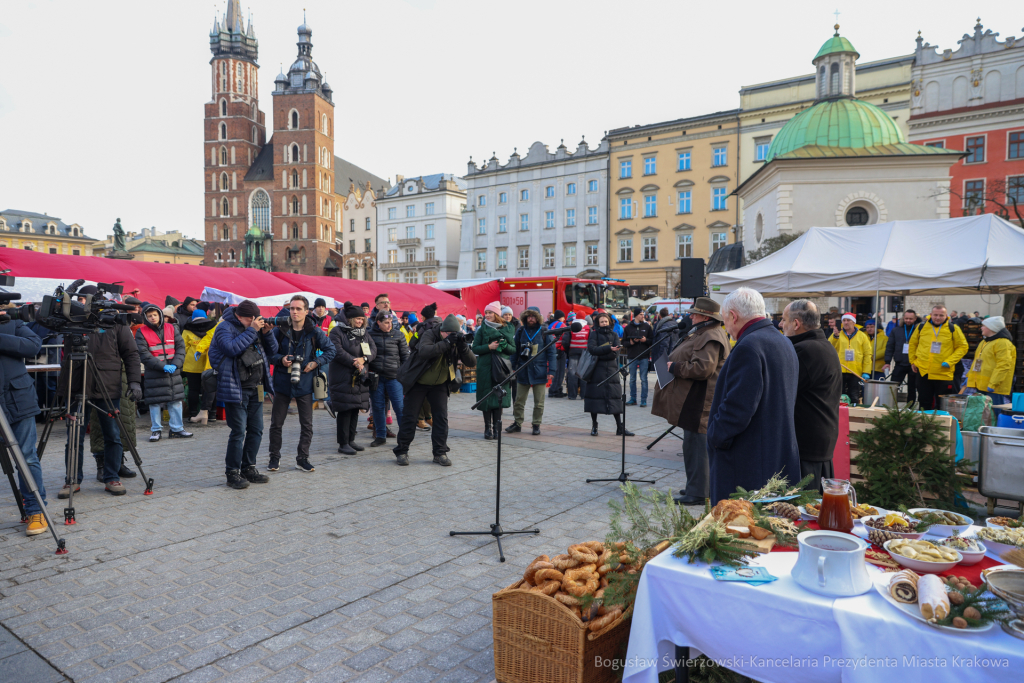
(993, 364)
(196, 344)
(854, 352)
(952, 347)
(880, 341)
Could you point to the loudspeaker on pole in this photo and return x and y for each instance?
(691, 278)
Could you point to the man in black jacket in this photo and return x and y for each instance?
(637, 337)
(392, 353)
(897, 353)
(820, 384)
(428, 376)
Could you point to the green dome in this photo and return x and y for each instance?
(835, 44)
(836, 123)
(254, 231)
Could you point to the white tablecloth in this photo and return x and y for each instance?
(781, 632)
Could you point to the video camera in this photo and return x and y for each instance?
(63, 313)
(26, 313)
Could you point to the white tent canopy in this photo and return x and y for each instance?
(949, 256)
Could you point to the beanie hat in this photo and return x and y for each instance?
(169, 312)
(88, 289)
(170, 301)
(203, 306)
(494, 307)
(198, 313)
(507, 310)
(576, 326)
(429, 311)
(364, 305)
(413, 319)
(869, 321)
(637, 311)
(188, 300)
(247, 309)
(571, 316)
(996, 323)
(558, 314)
(353, 312)
(450, 324)
(320, 302)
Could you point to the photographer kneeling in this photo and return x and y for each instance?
(349, 376)
(392, 352)
(429, 376)
(298, 343)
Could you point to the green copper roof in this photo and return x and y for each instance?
(835, 44)
(898, 149)
(254, 231)
(837, 123)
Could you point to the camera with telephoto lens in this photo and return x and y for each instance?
(295, 371)
(280, 321)
(26, 313)
(62, 313)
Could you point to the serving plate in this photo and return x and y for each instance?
(922, 566)
(881, 586)
(945, 529)
(913, 536)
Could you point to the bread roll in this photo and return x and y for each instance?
(932, 597)
(903, 586)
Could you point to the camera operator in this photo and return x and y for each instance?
(108, 349)
(428, 376)
(238, 354)
(349, 375)
(18, 342)
(298, 345)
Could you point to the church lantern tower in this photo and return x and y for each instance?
(835, 68)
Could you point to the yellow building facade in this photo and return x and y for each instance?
(42, 233)
(670, 186)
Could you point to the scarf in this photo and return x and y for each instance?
(492, 325)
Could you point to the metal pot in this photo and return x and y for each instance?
(972, 446)
(955, 405)
(884, 391)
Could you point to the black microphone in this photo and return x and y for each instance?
(74, 286)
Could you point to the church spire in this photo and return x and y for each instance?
(233, 17)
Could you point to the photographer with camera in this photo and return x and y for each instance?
(429, 376)
(302, 349)
(529, 341)
(238, 354)
(349, 375)
(162, 352)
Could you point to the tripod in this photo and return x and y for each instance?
(75, 412)
(663, 435)
(499, 390)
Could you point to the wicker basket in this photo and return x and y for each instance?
(538, 640)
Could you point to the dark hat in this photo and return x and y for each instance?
(559, 314)
(187, 301)
(353, 312)
(869, 321)
(170, 301)
(706, 306)
(247, 309)
(364, 305)
(637, 311)
(576, 326)
(429, 312)
(203, 306)
(88, 289)
(450, 324)
(320, 302)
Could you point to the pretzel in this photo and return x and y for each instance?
(604, 582)
(583, 553)
(581, 581)
(601, 622)
(548, 574)
(563, 562)
(596, 546)
(566, 599)
(576, 610)
(602, 562)
(531, 572)
(547, 587)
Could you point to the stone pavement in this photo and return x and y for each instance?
(345, 574)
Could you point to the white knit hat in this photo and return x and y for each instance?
(996, 323)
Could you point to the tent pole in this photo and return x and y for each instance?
(874, 342)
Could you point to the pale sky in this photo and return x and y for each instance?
(101, 102)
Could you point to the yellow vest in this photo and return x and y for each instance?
(880, 341)
(993, 366)
(952, 346)
(854, 353)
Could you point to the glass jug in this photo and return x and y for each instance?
(837, 502)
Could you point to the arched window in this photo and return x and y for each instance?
(224, 208)
(261, 210)
(302, 252)
(217, 256)
(295, 231)
(295, 178)
(223, 181)
(231, 254)
(223, 108)
(833, 88)
(323, 119)
(295, 119)
(225, 235)
(255, 140)
(253, 110)
(223, 131)
(822, 82)
(295, 206)
(223, 156)
(295, 154)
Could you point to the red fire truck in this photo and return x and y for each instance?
(567, 294)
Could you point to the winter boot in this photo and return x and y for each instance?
(202, 417)
(488, 434)
(254, 476)
(99, 468)
(236, 481)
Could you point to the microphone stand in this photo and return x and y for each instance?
(496, 531)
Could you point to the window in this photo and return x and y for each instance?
(650, 206)
(392, 277)
(973, 197)
(295, 178)
(684, 202)
(941, 144)
(570, 188)
(295, 119)
(410, 211)
(53, 250)
(481, 200)
(1016, 148)
(261, 210)
(502, 224)
(223, 156)
(429, 277)
(549, 191)
(569, 255)
(223, 131)
(410, 232)
(501, 262)
(481, 226)
(549, 257)
(295, 231)
(428, 253)
(225, 234)
(591, 254)
(650, 249)
(718, 199)
(524, 222)
(626, 168)
(410, 255)
(223, 181)
(353, 271)
(295, 154)
(857, 215)
(223, 108)
(367, 222)
(591, 186)
(719, 157)
(411, 278)
(761, 151)
(570, 218)
(352, 225)
(225, 209)
(524, 195)
(351, 246)
(74, 252)
(428, 208)
(975, 150)
(717, 241)
(392, 234)
(591, 215)
(833, 86)
(393, 212)
(684, 162)
(367, 244)
(650, 165)
(428, 231)
(626, 249)
(392, 256)
(684, 246)
(503, 197)
(625, 208)
(524, 257)
(549, 219)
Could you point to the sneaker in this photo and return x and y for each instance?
(356, 446)
(391, 435)
(346, 449)
(236, 481)
(643, 404)
(253, 475)
(115, 487)
(154, 436)
(422, 425)
(36, 525)
(388, 420)
(66, 491)
(275, 464)
(536, 430)
(514, 427)
(403, 459)
(378, 442)
(631, 402)
(442, 460)
(304, 465)
(180, 435)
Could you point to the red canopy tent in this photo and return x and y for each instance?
(476, 293)
(404, 297)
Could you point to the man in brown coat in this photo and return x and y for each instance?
(686, 400)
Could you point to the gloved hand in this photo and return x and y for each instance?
(945, 364)
(135, 389)
(990, 390)
(866, 376)
(169, 369)
(196, 356)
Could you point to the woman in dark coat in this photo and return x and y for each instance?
(605, 399)
(494, 336)
(162, 352)
(347, 374)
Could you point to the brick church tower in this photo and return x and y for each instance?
(234, 133)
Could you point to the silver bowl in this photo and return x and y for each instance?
(1008, 584)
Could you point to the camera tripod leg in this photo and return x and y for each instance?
(51, 415)
(8, 469)
(116, 414)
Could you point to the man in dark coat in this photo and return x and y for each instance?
(302, 340)
(530, 340)
(820, 384)
(392, 352)
(637, 337)
(428, 376)
(162, 383)
(897, 353)
(348, 375)
(751, 433)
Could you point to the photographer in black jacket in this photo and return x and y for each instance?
(349, 375)
(300, 342)
(429, 375)
(392, 353)
(897, 353)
